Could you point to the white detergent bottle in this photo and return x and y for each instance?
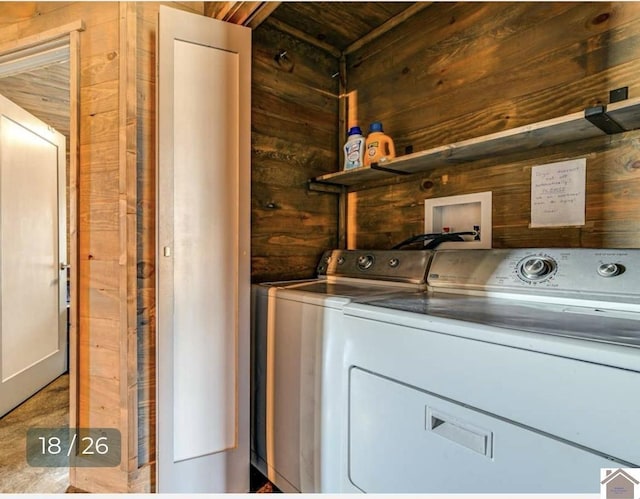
(354, 149)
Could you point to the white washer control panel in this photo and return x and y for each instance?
(580, 271)
(384, 265)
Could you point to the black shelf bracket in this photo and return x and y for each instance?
(598, 116)
(314, 185)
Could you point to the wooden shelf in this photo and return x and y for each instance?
(565, 129)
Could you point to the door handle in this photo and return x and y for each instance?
(468, 435)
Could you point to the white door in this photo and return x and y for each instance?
(33, 310)
(203, 208)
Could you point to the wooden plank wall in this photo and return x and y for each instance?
(295, 115)
(294, 137)
(146, 75)
(461, 70)
(115, 221)
(102, 258)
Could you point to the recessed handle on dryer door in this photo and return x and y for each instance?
(460, 432)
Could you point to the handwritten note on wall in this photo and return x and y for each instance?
(558, 193)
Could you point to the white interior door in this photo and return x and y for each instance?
(33, 310)
(203, 273)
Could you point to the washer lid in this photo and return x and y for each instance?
(596, 324)
(327, 292)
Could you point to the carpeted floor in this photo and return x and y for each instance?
(48, 408)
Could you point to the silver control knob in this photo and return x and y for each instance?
(365, 262)
(394, 262)
(340, 260)
(609, 270)
(537, 268)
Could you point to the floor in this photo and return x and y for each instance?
(48, 408)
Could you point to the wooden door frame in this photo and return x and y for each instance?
(68, 34)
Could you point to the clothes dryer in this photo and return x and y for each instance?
(297, 360)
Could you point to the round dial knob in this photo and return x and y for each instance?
(394, 262)
(609, 269)
(536, 268)
(365, 262)
(340, 260)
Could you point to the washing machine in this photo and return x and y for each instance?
(297, 361)
(517, 371)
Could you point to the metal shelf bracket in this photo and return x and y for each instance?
(314, 185)
(598, 116)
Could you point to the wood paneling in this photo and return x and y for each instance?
(107, 356)
(44, 92)
(145, 230)
(294, 137)
(233, 12)
(338, 24)
(451, 72)
(534, 52)
(104, 267)
(461, 70)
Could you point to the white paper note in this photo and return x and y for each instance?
(558, 194)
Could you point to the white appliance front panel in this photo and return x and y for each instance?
(298, 384)
(577, 401)
(288, 359)
(404, 440)
(623, 357)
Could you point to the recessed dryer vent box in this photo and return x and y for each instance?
(460, 214)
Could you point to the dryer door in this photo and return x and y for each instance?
(405, 440)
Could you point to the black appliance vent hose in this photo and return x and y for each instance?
(436, 239)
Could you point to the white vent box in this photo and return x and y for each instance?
(460, 214)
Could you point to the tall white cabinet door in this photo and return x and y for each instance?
(203, 288)
(33, 310)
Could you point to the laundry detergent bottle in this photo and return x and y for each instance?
(354, 149)
(379, 146)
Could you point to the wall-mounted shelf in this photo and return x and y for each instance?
(593, 122)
